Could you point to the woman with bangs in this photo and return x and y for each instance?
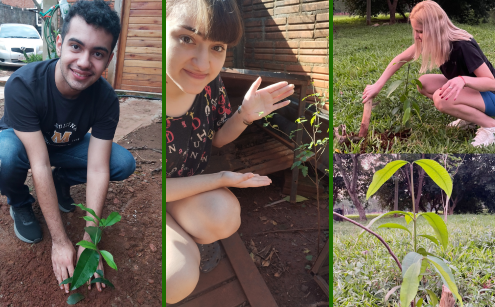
(466, 87)
(200, 210)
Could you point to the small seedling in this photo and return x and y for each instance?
(87, 265)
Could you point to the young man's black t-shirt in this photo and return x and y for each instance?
(465, 57)
(33, 103)
(189, 137)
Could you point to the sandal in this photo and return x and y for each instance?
(211, 254)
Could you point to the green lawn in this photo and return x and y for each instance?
(363, 271)
(360, 55)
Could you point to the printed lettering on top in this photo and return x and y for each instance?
(58, 138)
(171, 148)
(201, 136)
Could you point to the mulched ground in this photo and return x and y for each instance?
(26, 276)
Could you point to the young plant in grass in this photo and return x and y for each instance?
(415, 263)
(87, 263)
(406, 98)
(32, 58)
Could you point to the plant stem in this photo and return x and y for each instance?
(376, 235)
(414, 208)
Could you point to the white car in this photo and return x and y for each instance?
(14, 38)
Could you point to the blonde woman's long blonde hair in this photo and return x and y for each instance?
(438, 33)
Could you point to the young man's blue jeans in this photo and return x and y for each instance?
(72, 160)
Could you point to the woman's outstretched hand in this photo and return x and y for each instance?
(247, 180)
(452, 88)
(259, 103)
(370, 92)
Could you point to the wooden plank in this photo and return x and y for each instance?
(126, 8)
(270, 154)
(145, 13)
(146, 20)
(147, 27)
(141, 83)
(222, 272)
(143, 50)
(144, 33)
(146, 57)
(270, 167)
(229, 295)
(143, 70)
(140, 77)
(251, 281)
(145, 42)
(146, 5)
(142, 88)
(140, 63)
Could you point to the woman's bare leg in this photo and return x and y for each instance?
(182, 262)
(209, 216)
(431, 83)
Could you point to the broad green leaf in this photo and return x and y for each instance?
(304, 170)
(409, 260)
(89, 210)
(415, 106)
(103, 280)
(395, 110)
(437, 173)
(419, 303)
(446, 275)
(66, 281)
(410, 284)
(433, 297)
(380, 216)
(87, 244)
(393, 87)
(109, 259)
(89, 219)
(438, 226)
(94, 233)
(394, 225)
(408, 219)
(432, 238)
(418, 83)
(406, 116)
(381, 176)
(424, 265)
(85, 268)
(75, 298)
(299, 198)
(113, 218)
(100, 272)
(423, 252)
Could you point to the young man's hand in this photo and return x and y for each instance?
(247, 180)
(100, 267)
(260, 103)
(63, 254)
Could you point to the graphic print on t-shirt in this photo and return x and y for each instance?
(59, 137)
(189, 137)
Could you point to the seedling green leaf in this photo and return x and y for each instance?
(87, 244)
(85, 267)
(89, 219)
(410, 259)
(75, 298)
(408, 219)
(433, 297)
(381, 176)
(438, 226)
(446, 275)
(394, 225)
(380, 216)
(99, 272)
(66, 281)
(94, 233)
(393, 87)
(410, 284)
(437, 173)
(109, 259)
(89, 210)
(432, 238)
(113, 218)
(103, 280)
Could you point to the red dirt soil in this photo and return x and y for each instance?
(26, 275)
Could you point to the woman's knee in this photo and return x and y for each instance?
(225, 214)
(122, 163)
(440, 104)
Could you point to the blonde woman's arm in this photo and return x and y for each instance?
(372, 90)
(483, 82)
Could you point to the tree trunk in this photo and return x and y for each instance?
(396, 196)
(392, 8)
(447, 299)
(368, 12)
(420, 188)
(351, 184)
(454, 204)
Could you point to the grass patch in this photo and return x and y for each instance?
(364, 272)
(360, 55)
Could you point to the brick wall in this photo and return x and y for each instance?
(19, 3)
(288, 36)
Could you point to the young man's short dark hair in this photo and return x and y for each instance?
(96, 13)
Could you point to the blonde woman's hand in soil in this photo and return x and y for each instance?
(259, 103)
(96, 275)
(63, 254)
(247, 180)
(370, 92)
